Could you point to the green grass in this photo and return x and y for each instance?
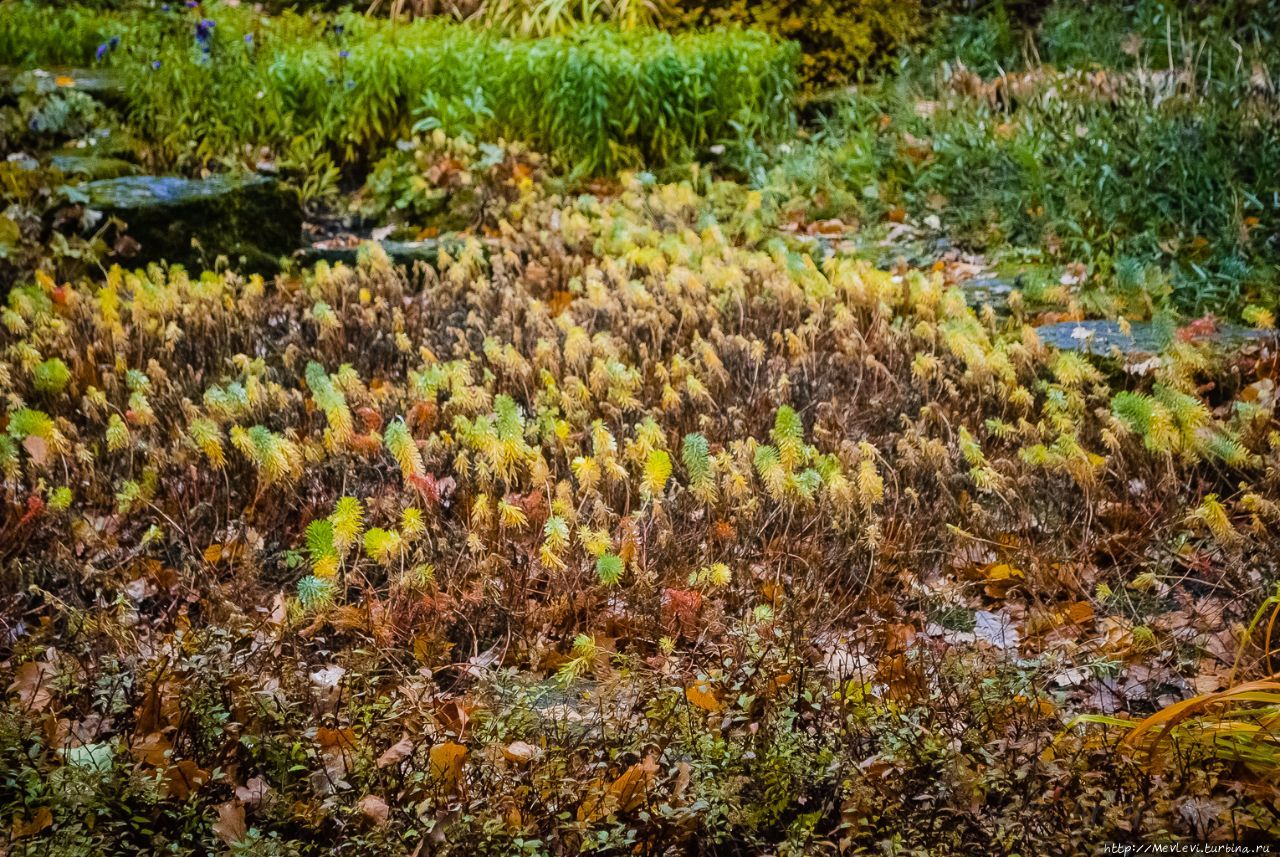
(1159, 174)
(599, 98)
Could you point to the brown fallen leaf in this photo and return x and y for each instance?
(37, 448)
(253, 792)
(33, 685)
(374, 808)
(182, 779)
(230, 826)
(23, 827)
(151, 749)
(624, 794)
(396, 753)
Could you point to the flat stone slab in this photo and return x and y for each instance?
(405, 253)
(1143, 337)
(247, 218)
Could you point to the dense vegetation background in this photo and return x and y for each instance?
(541, 427)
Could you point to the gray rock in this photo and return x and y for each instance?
(1144, 337)
(249, 219)
(400, 252)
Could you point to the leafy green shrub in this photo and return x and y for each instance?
(841, 40)
(450, 183)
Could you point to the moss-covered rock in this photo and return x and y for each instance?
(93, 167)
(250, 220)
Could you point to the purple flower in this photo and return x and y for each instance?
(204, 29)
(343, 54)
(155, 65)
(248, 38)
(191, 4)
(102, 50)
(114, 43)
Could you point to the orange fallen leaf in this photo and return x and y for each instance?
(521, 752)
(700, 695)
(182, 779)
(151, 749)
(629, 789)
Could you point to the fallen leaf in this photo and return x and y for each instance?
(37, 448)
(230, 826)
(396, 753)
(700, 695)
(33, 685)
(182, 779)
(374, 808)
(996, 629)
(253, 792)
(521, 752)
(22, 827)
(624, 794)
(629, 789)
(446, 762)
(151, 749)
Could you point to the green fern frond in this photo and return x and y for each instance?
(382, 545)
(28, 422)
(51, 376)
(331, 401)
(276, 458)
(207, 437)
(695, 453)
(769, 467)
(412, 523)
(319, 538)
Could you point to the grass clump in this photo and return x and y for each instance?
(598, 98)
(1118, 136)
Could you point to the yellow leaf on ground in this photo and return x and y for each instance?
(446, 762)
(700, 694)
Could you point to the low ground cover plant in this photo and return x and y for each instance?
(375, 556)
(706, 507)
